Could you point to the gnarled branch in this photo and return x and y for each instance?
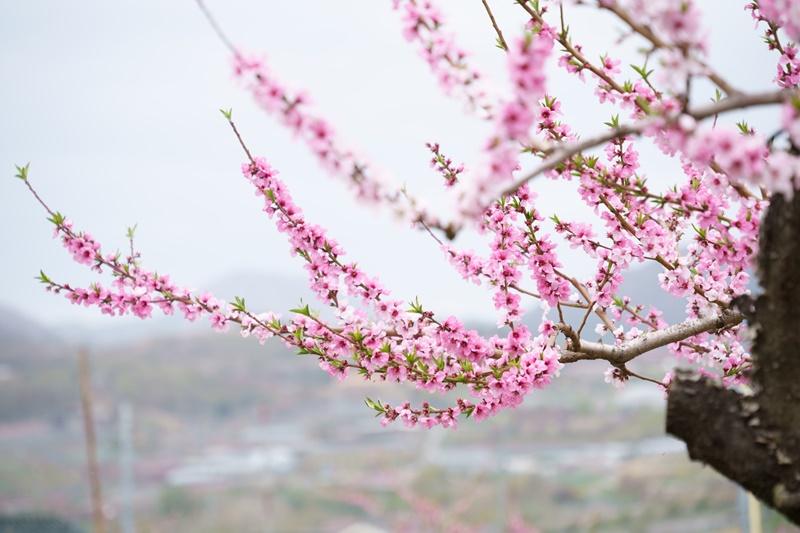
(619, 354)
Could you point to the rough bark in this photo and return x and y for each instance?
(754, 440)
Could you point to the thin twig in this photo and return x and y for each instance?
(657, 42)
(241, 141)
(495, 26)
(644, 378)
(601, 314)
(213, 22)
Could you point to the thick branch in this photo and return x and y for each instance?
(726, 431)
(565, 152)
(619, 354)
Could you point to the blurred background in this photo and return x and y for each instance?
(115, 105)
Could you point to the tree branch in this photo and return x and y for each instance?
(619, 354)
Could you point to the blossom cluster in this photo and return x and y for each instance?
(396, 343)
(423, 24)
(781, 13)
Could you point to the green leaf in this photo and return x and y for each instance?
(357, 336)
(43, 277)
(642, 71)
(227, 113)
(238, 304)
(614, 123)
(132, 231)
(304, 310)
(375, 406)
(744, 128)
(57, 219)
(22, 172)
(700, 231)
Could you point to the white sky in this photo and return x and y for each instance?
(115, 106)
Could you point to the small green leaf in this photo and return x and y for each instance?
(57, 219)
(227, 113)
(304, 310)
(700, 231)
(132, 231)
(22, 172)
(642, 71)
(238, 304)
(375, 406)
(614, 122)
(357, 336)
(744, 128)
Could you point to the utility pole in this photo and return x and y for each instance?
(91, 443)
(126, 467)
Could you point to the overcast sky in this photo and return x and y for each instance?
(115, 106)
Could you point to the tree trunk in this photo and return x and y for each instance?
(754, 440)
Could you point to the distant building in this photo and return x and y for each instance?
(358, 527)
(36, 524)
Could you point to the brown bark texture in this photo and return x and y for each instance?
(754, 439)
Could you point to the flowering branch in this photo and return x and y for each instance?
(559, 154)
(645, 31)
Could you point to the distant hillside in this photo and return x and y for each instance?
(16, 327)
